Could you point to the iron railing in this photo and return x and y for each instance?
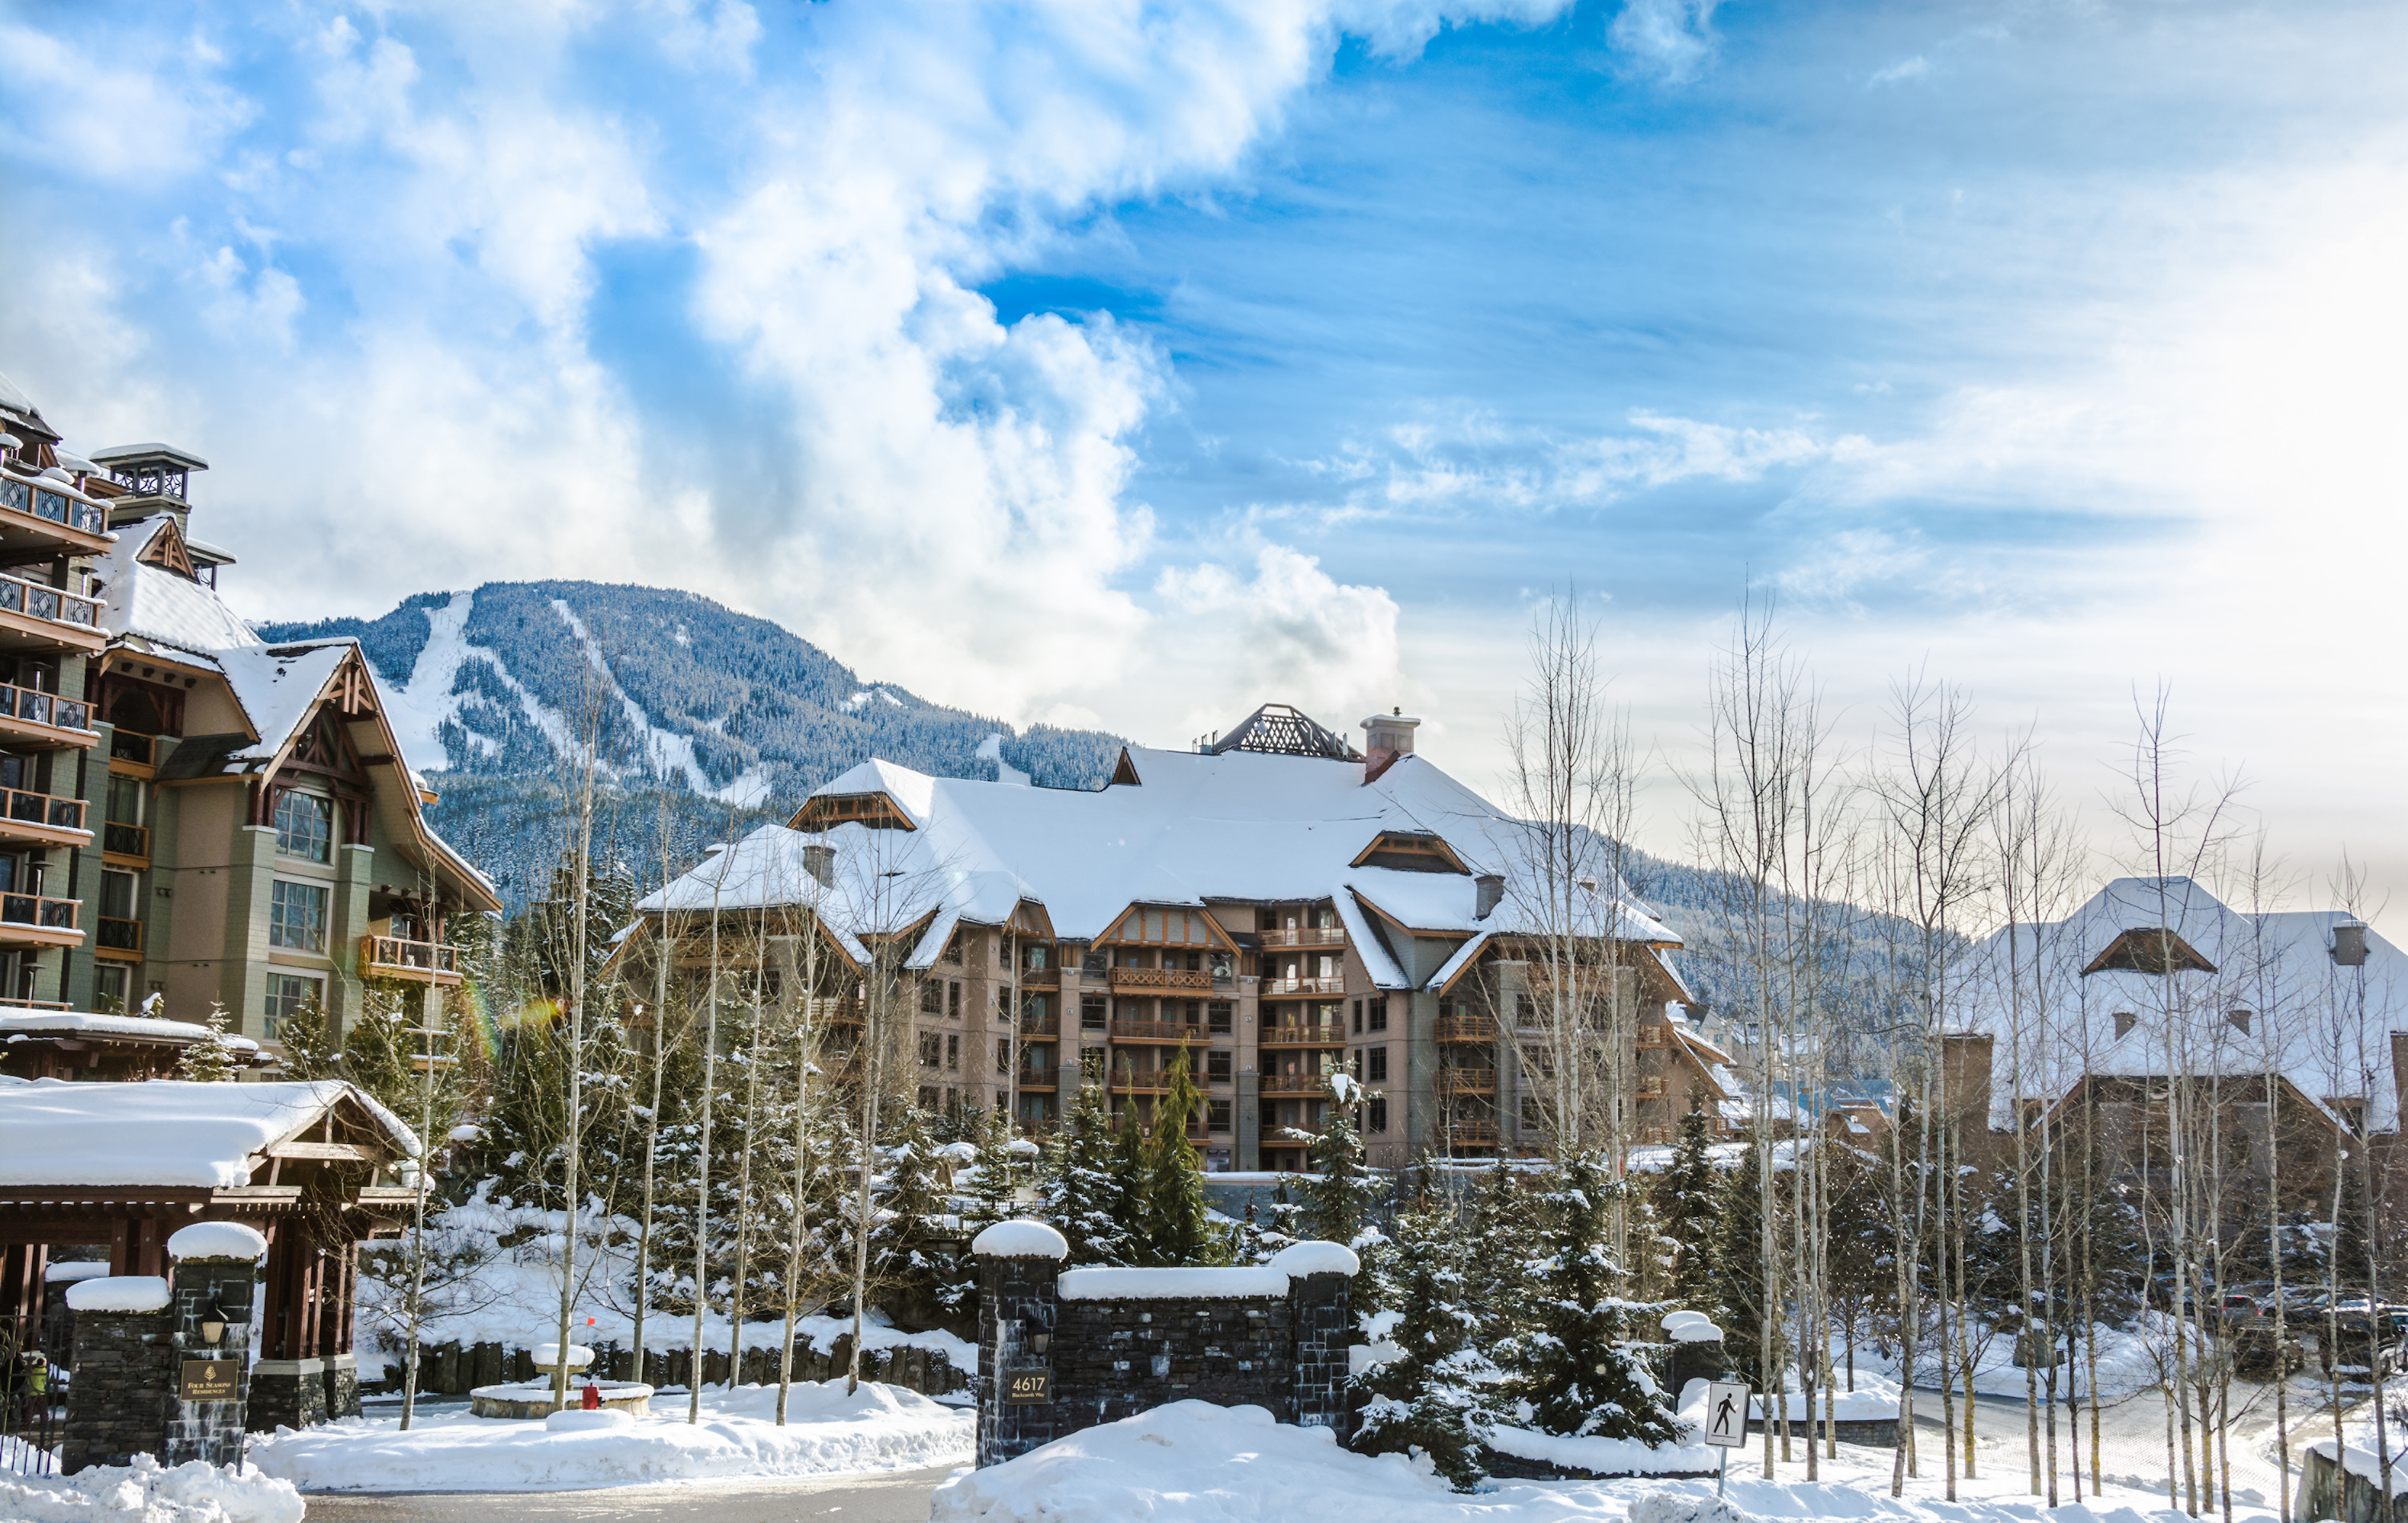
(38, 910)
(33, 706)
(125, 840)
(56, 507)
(120, 934)
(42, 808)
(18, 596)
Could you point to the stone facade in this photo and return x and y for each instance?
(207, 1289)
(117, 1401)
(1106, 1359)
(287, 1393)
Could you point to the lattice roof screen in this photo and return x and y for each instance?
(1284, 731)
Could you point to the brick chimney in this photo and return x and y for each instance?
(1385, 738)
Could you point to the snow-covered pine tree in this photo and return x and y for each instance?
(1128, 1179)
(1737, 1297)
(1438, 1397)
(1572, 1366)
(211, 1059)
(987, 1195)
(911, 1204)
(1504, 1237)
(1338, 1199)
(1686, 1206)
(1081, 1197)
(1178, 1219)
(311, 1050)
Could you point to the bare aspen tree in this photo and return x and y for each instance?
(721, 863)
(585, 776)
(807, 1042)
(664, 953)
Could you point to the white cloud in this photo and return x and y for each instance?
(1673, 39)
(149, 109)
(1904, 69)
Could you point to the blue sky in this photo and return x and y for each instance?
(1130, 365)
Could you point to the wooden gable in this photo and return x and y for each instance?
(2149, 948)
(166, 551)
(1166, 926)
(1410, 851)
(877, 810)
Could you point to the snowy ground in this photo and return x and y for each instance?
(880, 1428)
(146, 1492)
(1200, 1464)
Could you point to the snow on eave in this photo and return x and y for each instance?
(1382, 968)
(931, 944)
(1455, 967)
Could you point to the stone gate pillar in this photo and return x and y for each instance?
(1019, 1264)
(217, 1263)
(1320, 1276)
(117, 1404)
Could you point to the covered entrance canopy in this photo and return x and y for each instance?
(313, 1166)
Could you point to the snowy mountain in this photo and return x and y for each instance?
(722, 716)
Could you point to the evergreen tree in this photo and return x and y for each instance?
(1576, 1372)
(990, 1193)
(1339, 1199)
(1688, 1205)
(1081, 1197)
(212, 1058)
(1438, 1397)
(911, 1202)
(1178, 1219)
(1129, 1182)
(1503, 1232)
(311, 1050)
(1738, 1273)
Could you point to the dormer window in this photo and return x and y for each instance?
(2125, 1021)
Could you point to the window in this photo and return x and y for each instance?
(1379, 1015)
(1094, 960)
(1094, 1012)
(1358, 1017)
(2125, 1021)
(296, 916)
(1216, 1068)
(932, 1049)
(1377, 1118)
(953, 1001)
(932, 998)
(1003, 1055)
(953, 1051)
(1034, 1007)
(287, 993)
(1216, 1115)
(1216, 1016)
(1379, 1074)
(305, 825)
(111, 983)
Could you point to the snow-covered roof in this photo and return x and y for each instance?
(1242, 825)
(152, 603)
(164, 1132)
(2263, 994)
(277, 686)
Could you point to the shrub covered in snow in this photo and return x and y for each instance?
(148, 1492)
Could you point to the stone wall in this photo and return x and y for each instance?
(455, 1369)
(124, 1376)
(1104, 1358)
(204, 1288)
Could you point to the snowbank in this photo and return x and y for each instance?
(145, 1492)
(881, 1428)
(1200, 1464)
(217, 1240)
(1604, 1456)
(1021, 1240)
(1162, 1284)
(1316, 1258)
(118, 1293)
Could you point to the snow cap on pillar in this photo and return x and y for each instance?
(1316, 1258)
(217, 1240)
(1021, 1240)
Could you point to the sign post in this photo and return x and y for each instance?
(1725, 1424)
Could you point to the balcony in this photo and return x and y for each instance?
(36, 920)
(1303, 1036)
(1040, 1027)
(1129, 1082)
(1159, 1031)
(122, 937)
(1652, 1035)
(825, 1010)
(128, 841)
(1039, 1079)
(1273, 988)
(1040, 978)
(1467, 1080)
(37, 617)
(30, 717)
(1473, 1133)
(413, 962)
(139, 752)
(42, 817)
(1315, 1085)
(1162, 978)
(1467, 1028)
(1303, 935)
(40, 512)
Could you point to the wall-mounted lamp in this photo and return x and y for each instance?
(212, 1327)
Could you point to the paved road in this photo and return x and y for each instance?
(901, 1496)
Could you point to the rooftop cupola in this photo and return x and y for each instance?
(157, 479)
(1385, 738)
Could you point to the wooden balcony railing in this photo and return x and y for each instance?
(1041, 1078)
(18, 596)
(1652, 1035)
(1303, 1036)
(1160, 978)
(1158, 1032)
(1296, 1083)
(1303, 935)
(1467, 1028)
(42, 809)
(136, 747)
(52, 507)
(1033, 1028)
(125, 840)
(31, 706)
(1127, 1082)
(418, 962)
(38, 911)
(1040, 978)
(120, 935)
(828, 1010)
(1473, 1133)
(1275, 986)
(1467, 1080)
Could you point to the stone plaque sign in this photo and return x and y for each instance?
(208, 1380)
(1027, 1386)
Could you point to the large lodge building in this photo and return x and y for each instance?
(1278, 903)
